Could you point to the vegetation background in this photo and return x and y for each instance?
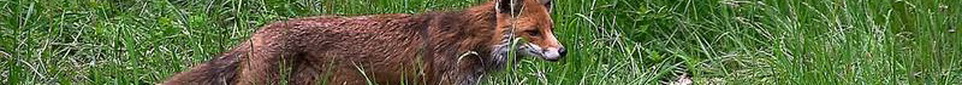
(620, 42)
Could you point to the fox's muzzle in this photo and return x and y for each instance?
(554, 54)
(548, 54)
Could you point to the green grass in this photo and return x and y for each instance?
(621, 42)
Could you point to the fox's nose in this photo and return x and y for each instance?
(562, 51)
(554, 54)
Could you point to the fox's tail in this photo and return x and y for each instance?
(219, 71)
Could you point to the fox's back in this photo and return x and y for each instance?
(345, 33)
(375, 43)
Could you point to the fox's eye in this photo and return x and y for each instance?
(533, 33)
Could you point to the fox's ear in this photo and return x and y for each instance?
(508, 6)
(547, 4)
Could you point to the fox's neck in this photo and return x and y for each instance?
(471, 30)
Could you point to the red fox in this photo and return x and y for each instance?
(423, 48)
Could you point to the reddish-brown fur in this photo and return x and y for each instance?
(391, 48)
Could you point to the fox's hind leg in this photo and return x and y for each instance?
(346, 73)
(259, 70)
(307, 72)
(261, 67)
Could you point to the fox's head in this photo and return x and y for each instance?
(531, 21)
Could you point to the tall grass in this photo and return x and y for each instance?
(621, 42)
